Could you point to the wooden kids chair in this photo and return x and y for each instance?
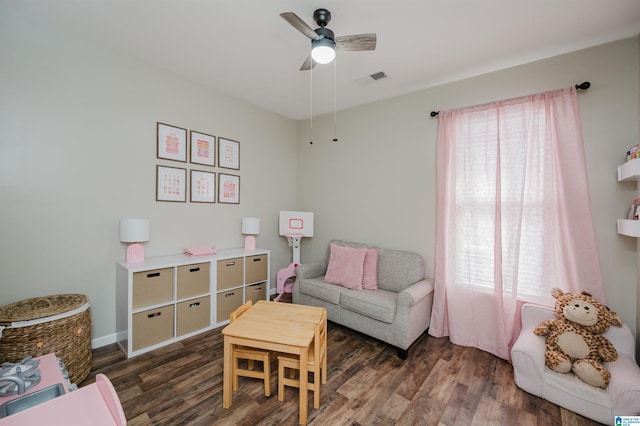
(317, 364)
(251, 355)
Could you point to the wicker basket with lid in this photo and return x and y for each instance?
(41, 325)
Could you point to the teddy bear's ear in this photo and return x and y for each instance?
(615, 319)
(556, 292)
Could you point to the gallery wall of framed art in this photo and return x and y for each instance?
(205, 152)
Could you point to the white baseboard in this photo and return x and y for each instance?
(103, 341)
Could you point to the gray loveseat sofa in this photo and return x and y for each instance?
(397, 313)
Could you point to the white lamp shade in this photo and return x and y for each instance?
(134, 230)
(251, 225)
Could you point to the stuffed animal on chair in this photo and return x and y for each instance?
(574, 340)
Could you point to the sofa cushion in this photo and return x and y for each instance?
(318, 288)
(346, 266)
(370, 270)
(379, 305)
(397, 270)
(344, 244)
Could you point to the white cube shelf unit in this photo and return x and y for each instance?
(166, 299)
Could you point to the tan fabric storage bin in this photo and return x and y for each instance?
(193, 315)
(230, 273)
(227, 302)
(193, 280)
(59, 324)
(256, 269)
(152, 287)
(256, 292)
(152, 326)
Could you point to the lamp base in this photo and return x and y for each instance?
(135, 253)
(249, 242)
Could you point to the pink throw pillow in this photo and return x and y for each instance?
(370, 274)
(346, 266)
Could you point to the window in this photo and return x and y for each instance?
(503, 181)
(511, 174)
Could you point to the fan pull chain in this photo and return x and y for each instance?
(335, 108)
(311, 103)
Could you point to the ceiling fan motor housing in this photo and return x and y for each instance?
(322, 17)
(325, 33)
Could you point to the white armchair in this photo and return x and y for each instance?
(620, 398)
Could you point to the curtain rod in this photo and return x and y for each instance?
(581, 86)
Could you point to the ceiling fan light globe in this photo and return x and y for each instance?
(323, 51)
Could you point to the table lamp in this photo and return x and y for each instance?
(133, 230)
(250, 227)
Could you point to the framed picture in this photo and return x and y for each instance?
(172, 143)
(171, 184)
(228, 154)
(228, 189)
(203, 187)
(203, 149)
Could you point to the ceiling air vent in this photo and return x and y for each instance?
(378, 76)
(371, 78)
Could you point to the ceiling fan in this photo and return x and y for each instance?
(323, 41)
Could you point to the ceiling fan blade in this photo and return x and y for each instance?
(357, 42)
(308, 64)
(297, 23)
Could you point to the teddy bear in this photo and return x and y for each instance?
(574, 340)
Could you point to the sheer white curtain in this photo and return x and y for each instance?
(513, 216)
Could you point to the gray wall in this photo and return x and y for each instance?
(377, 184)
(78, 152)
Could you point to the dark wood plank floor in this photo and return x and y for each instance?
(439, 384)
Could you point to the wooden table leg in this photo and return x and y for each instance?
(227, 376)
(304, 385)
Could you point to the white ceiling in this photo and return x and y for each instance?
(243, 48)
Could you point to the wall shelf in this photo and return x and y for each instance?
(629, 171)
(628, 227)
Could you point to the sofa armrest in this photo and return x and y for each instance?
(527, 353)
(624, 385)
(528, 344)
(310, 270)
(622, 339)
(415, 292)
